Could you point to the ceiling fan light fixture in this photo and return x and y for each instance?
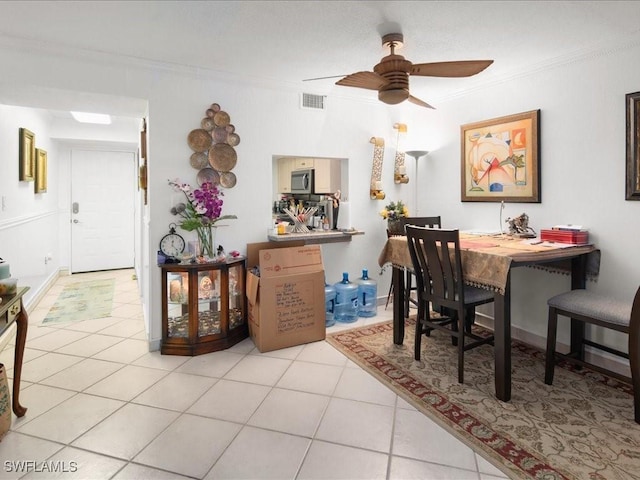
(393, 96)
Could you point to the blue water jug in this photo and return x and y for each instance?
(329, 304)
(346, 309)
(367, 295)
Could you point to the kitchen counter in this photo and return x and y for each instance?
(315, 237)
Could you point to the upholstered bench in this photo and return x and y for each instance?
(603, 311)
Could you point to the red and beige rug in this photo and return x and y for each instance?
(581, 427)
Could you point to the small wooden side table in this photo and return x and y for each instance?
(12, 310)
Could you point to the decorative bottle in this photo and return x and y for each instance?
(346, 308)
(329, 304)
(367, 295)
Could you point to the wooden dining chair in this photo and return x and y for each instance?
(603, 311)
(435, 254)
(431, 222)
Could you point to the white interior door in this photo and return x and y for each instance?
(102, 210)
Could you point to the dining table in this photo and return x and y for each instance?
(487, 262)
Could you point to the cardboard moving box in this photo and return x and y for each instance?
(286, 303)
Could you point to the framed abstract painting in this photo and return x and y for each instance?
(500, 159)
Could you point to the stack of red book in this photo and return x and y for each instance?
(565, 234)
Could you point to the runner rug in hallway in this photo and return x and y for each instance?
(580, 428)
(83, 301)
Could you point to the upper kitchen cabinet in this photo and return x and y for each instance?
(303, 163)
(327, 175)
(285, 166)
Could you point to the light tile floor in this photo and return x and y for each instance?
(101, 406)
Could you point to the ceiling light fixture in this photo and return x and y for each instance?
(85, 117)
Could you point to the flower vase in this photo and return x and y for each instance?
(207, 240)
(395, 227)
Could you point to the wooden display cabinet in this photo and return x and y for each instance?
(204, 307)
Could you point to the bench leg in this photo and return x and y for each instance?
(418, 337)
(550, 355)
(634, 353)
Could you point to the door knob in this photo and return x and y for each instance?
(75, 220)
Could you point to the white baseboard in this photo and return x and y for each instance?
(154, 345)
(38, 291)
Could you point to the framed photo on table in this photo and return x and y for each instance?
(633, 146)
(27, 152)
(500, 159)
(40, 185)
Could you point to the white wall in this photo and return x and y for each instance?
(582, 106)
(28, 222)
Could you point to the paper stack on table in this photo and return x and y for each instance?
(569, 226)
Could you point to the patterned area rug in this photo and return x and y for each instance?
(83, 301)
(580, 428)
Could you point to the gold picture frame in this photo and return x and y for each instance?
(40, 184)
(633, 146)
(500, 159)
(27, 140)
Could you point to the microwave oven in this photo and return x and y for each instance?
(302, 181)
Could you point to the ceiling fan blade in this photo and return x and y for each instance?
(463, 68)
(368, 80)
(322, 78)
(417, 101)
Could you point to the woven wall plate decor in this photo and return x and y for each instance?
(208, 175)
(213, 145)
(228, 179)
(199, 160)
(222, 157)
(199, 140)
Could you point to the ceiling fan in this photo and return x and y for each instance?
(390, 77)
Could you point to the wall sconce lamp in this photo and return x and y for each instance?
(375, 189)
(399, 171)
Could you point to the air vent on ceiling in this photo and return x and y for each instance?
(313, 102)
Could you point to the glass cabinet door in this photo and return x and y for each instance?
(236, 295)
(178, 304)
(209, 305)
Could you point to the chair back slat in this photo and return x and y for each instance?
(419, 261)
(435, 254)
